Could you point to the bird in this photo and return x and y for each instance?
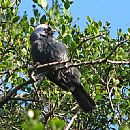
(45, 48)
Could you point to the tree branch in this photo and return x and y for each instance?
(99, 61)
(52, 64)
(24, 99)
(118, 62)
(13, 92)
(93, 62)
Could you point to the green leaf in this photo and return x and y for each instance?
(15, 19)
(67, 38)
(3, 26)
(129, 30)
(89, 19)
(69, 18)
(124, 128)
(67, 4)
(35, 1)
(32, 20)
(73, 45)
(56, 124)
(63, 28)
(100, 23)
(116, 82)
(35, 12)
(0, 44)
(43, 19)
(32, 125)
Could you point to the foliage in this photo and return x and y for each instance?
(103, 61)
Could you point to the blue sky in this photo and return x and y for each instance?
(114, 11)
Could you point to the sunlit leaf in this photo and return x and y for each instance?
(41, 3)
(56, 124)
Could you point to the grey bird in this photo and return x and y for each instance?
(46, 49)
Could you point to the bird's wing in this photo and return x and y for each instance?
(57, 50)
(47, 50)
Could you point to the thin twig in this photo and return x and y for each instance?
(15, 128)
(118, 62)
(110, 93)
(51, 64)
(119, 114)
(70, 123)
(75, 107)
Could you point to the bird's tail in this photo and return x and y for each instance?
(83, 99)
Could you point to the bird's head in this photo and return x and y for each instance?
(44, 29)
